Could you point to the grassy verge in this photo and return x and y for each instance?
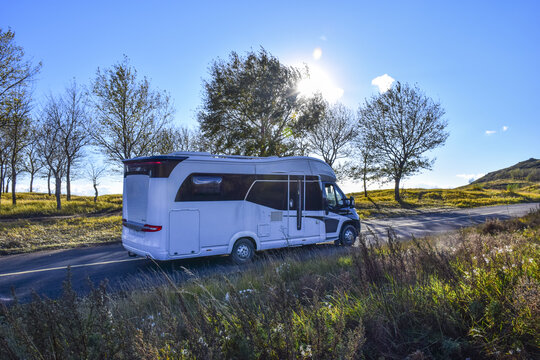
(472, 294)
(381, 202)
(42, 205)
(26, 236)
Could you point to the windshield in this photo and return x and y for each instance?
(333, 195)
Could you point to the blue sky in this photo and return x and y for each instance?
(479, 59)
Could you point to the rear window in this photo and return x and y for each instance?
(152, 168)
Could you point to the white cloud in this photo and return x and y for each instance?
(317, 53)
(504, 128)
(490, 132)
(470, 177)
(323, 37)
(383, 82)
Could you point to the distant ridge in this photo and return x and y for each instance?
(525, 171)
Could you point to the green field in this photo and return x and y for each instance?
(471, 294)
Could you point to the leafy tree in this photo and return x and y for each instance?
(16, 131)
(401, 125)
(15, 71)
(331, 138)
(128, 113)
(252, 107)
(177, 139)
(74, 136)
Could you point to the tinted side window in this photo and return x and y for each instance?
(214, 187)
(206, 185)
(296, 185)
(313, 196)
(272, 194)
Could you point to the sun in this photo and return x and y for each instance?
(319, 82)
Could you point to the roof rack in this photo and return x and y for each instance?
(194, 153)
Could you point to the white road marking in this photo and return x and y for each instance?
(71, 266)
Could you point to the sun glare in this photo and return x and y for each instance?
(320, 82)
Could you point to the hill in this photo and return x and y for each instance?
(524, 173)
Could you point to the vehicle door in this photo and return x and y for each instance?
(303, 229)
(335, 206)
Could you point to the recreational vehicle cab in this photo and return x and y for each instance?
(188, 204)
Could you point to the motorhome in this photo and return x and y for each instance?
(188, 204)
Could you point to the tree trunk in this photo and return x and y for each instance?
(49, 182)
(13, 184)
(68, 182)
(7, 186)
(396, 189)
(57, 192)
(2, 175)
(365, 184)
(95, 189)
(31, 181)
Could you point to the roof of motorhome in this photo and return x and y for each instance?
(263, 164)
(208, 156)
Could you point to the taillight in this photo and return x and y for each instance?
(150, 228)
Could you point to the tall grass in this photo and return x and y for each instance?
(472, 294)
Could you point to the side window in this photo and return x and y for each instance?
(206, 185)
(294, 195)
(330, 194)
(313, 196)
(272, 194)
(333, 195)
(214, 187)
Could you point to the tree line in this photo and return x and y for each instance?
(250, 106)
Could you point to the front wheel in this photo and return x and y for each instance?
(242, 252)
(348, 235)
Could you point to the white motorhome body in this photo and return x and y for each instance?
(185, 205)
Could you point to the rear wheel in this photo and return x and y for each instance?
(348, 235)
(242, 252)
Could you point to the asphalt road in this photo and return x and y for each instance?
(43, 273)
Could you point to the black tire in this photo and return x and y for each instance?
(348, 235)
(242, 252)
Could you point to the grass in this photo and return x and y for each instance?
(470, 294)
(27, 236)
(381, 202)
(43, 205)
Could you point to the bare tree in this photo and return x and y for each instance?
(51, 145)
(16, 131)
(129, 114)
(95, 172)
(401, 125)
(73, 132)
(33, 162)
(331, 138)
(15, 71)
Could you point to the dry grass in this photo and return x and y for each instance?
(26, 236)
(473, 294)
(381, 202)
(42, 205)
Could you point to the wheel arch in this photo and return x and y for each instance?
(244, 235)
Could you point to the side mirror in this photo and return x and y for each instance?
(351, 202)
